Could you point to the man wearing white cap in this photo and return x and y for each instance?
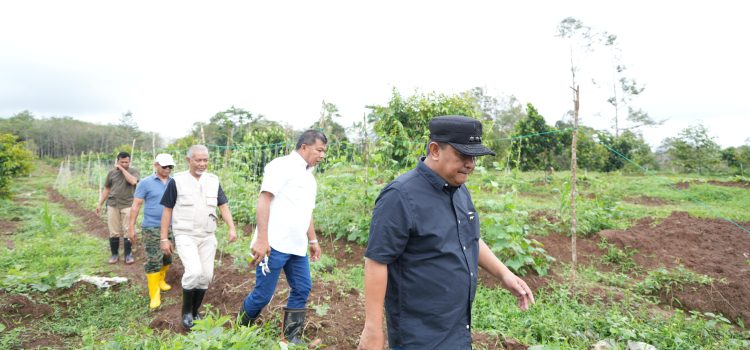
(149, 191)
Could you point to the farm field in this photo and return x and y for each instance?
(662, 259)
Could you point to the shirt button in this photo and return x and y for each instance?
(467, 326)
(459, 221)
(464, 247)
(471, 273)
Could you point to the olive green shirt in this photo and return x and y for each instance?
(120, 191)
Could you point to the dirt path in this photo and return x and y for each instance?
(339, 327)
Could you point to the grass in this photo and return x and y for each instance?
(564, 319)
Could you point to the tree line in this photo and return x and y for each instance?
(394, 135)
(58, 137)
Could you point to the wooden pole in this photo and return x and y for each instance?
(366, 159)
(573, 168)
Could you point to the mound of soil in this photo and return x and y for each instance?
(647, 201)
(740, 184)
(712, 247)
(8, 227)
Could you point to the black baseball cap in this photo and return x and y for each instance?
(463, 133)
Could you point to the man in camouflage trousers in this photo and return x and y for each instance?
(149, 191)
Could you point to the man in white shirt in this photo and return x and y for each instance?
(284, 232)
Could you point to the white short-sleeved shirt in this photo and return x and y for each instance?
(294, 188)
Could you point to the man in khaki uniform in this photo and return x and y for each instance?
(118, 193)
(190, 202)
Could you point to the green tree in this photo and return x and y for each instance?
(625, 148)
(226, 127)
(401, 125)
(326, 123)
(737, 158)
(694, 150)
(535, 142)
(19, 124)
(15, 160)
(499, 116)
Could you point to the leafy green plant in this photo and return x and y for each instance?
(505, 229)
(594, 212)
(621, 259)
(15, 160)
(345, 204)
(665, 281)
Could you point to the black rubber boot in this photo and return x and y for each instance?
(294, 321)
(245, 319)
(128, 247)
(187, 308)
(114, 247)
(128, 252)
(198, 295)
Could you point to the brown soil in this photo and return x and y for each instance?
(682, 185)
(8, 227)
(740, 184)
(647, 201)
(20, 311)
(712, 247)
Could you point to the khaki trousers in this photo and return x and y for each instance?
(197, 254)
(117, 220)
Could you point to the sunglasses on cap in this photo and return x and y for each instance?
(167, 167)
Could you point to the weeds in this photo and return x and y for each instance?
(665, 282)
(621, 259)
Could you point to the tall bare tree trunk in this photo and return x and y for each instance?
(367, 161)
(573, 168)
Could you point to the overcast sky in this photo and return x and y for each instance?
(175, 63)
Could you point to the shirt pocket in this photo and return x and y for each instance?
(212, 201)
(211, 224)
(469, 226)
(184, 211)
(185, 199)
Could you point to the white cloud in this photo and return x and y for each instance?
(175, 63)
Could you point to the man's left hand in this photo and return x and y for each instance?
(520, 289)
(232, 234)
(315, 252)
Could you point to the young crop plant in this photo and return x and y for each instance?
(596, 212)
(505, 230)
(664, 282)
(620, 259)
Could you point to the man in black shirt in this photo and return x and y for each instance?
(424, 248)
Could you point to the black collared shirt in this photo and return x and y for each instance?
(427, 232)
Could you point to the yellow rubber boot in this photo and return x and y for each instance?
(162, 283)
(153, 289)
